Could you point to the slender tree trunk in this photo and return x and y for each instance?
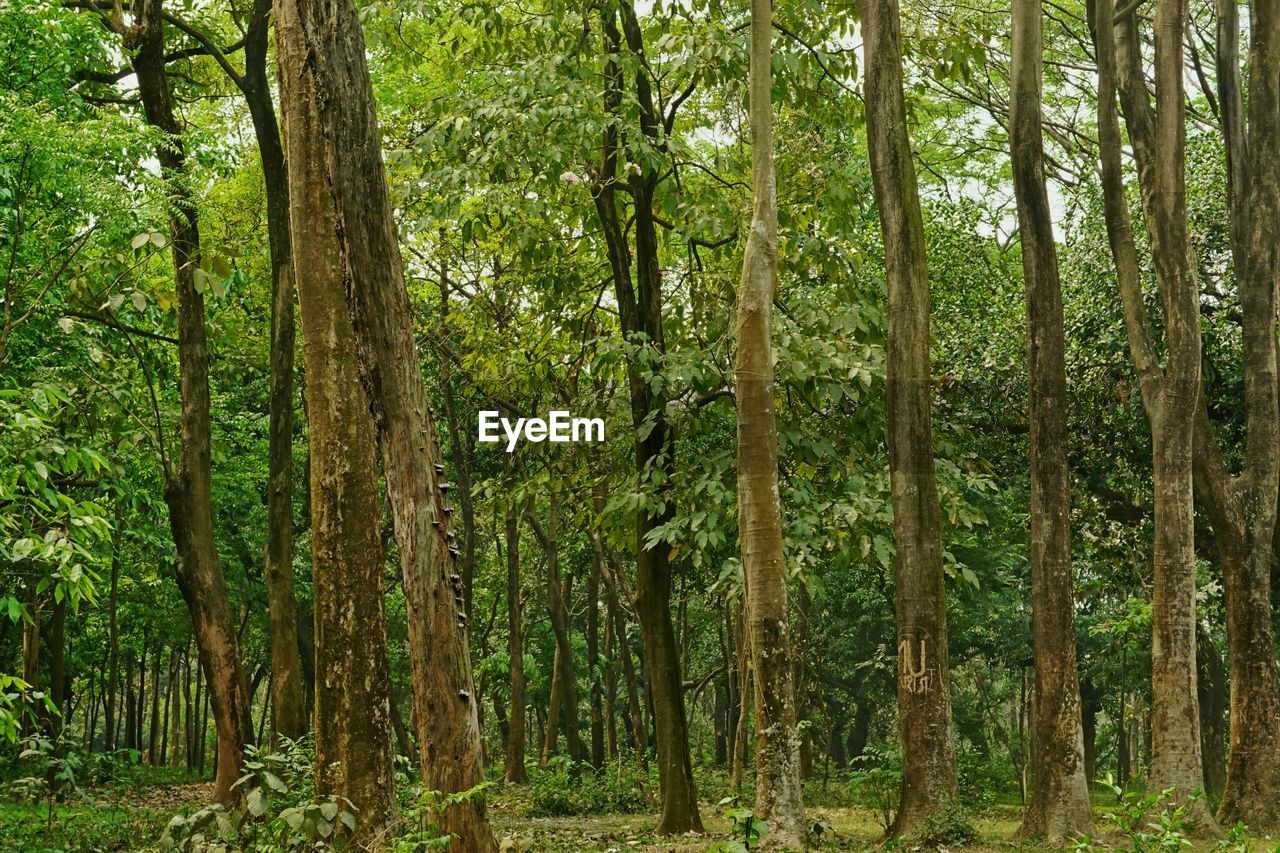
(31, 652)
(460, 458)
(57, 664)
(640, 312)
(187, 491)
(924, 696)
(330, 52)
(779, 797)
(743, 653)
(551, 732)
(353, 688)
(1212, 693)
(593, 652)
(286, 666)
(113, 639)
(1059, 807)
(515, 770)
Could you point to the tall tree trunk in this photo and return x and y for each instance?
(640, 312)
(31, 653)
(331, 54)
(187, 491)
(594, 674)
(515, 773)
(779, 797)
(924, 694)
(57, 664)
(153, 730)
(353, 688)
(460, 457)
(286, 666)
(739, 745)
(551, 732)
(113, 639)
(1242, 509)
(1171, 398)
(1059, 807)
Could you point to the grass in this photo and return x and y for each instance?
(78, 827)
(131, 815)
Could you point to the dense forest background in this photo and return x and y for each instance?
(245, 541)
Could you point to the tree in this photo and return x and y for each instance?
(445, 706)
(924, 694)
(353, 689)
(1059, 806)
(515, 773)
(1171, 397)
(640, 317)
(188, 490)
(779, 797)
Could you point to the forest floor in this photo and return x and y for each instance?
(132, 816)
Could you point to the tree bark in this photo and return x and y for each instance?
(113, 640)
(1059, 807)
(924, 697)
(594, 674)
(188, 491)
(515, 773)
(353, 689)
(331, 53)
(640, 314)
(779, 797)
(1212, 693)
(286, 667)
(1171, 397)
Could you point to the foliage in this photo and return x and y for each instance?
(948, 824)
(422, 823)
(1154, 822)
(279, 810)
(746, 830)
(878, 784)
(568, 788)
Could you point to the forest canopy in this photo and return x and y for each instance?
(932, 351)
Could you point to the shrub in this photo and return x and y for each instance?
(949, 824)
(565, 788)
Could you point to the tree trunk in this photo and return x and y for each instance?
(565, 672)
(924, 696)
(1171, 398)
(286, 667)
(460, 457)
(331, 54)
(640, 313)
(1212, 693)
(515, 770)
(593, 652)
(779, 799)
(57, 664)
(31, 654)
(353, 689)
(187, 492)
(1059, 807)
(113, 639)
